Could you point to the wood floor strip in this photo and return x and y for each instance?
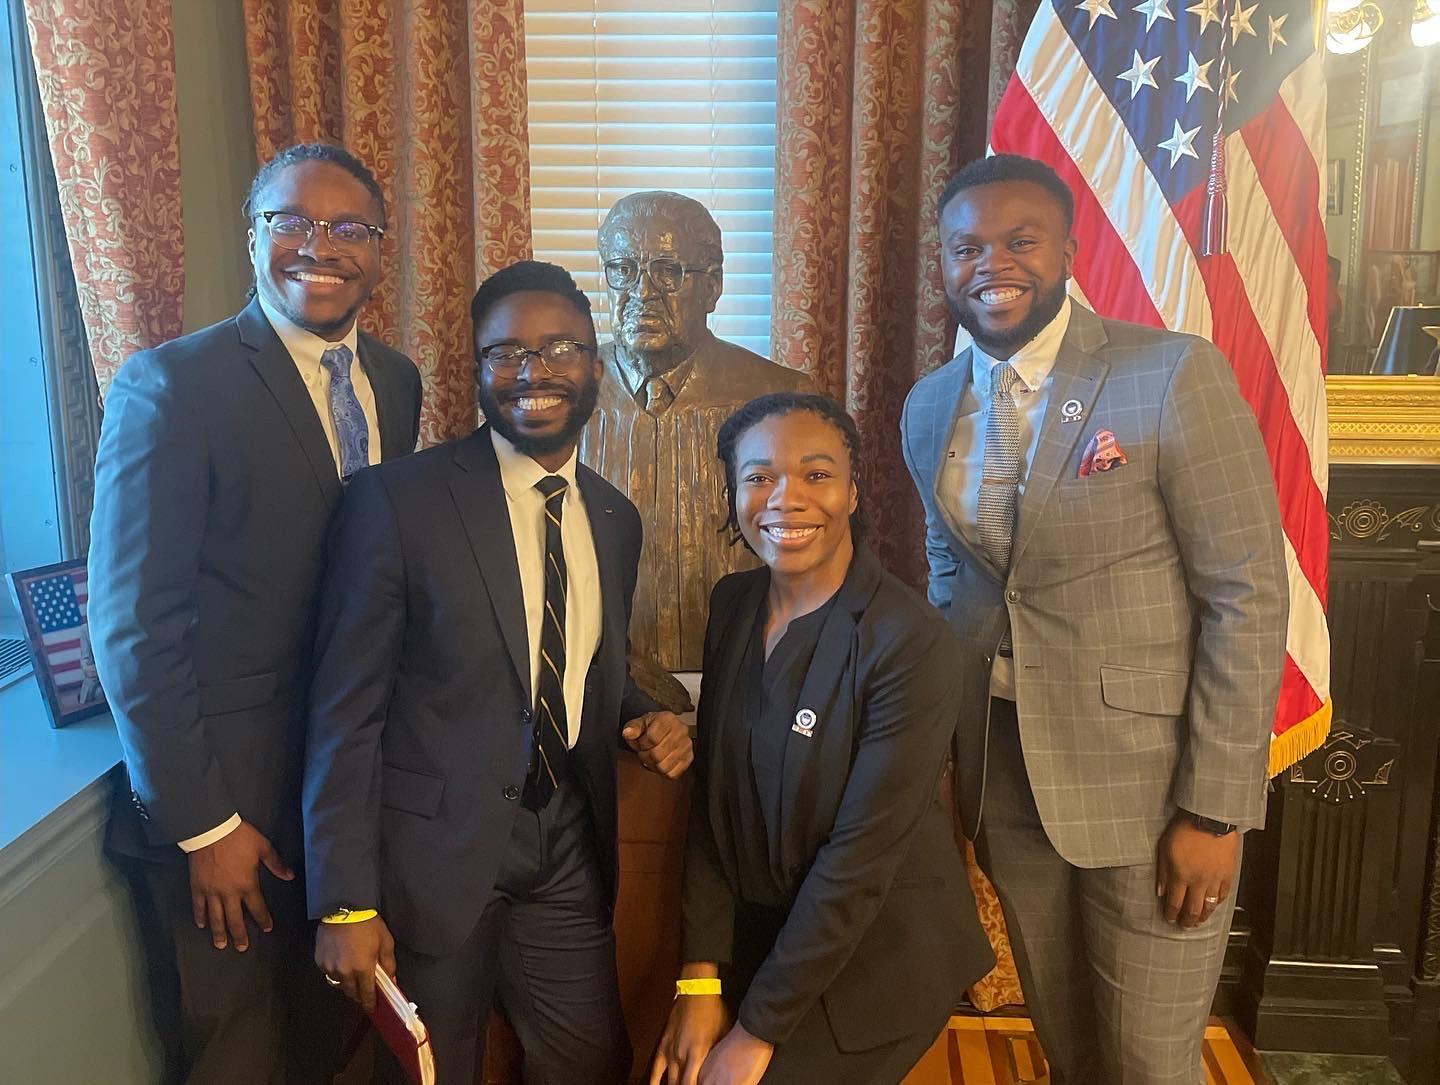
(994, 1050)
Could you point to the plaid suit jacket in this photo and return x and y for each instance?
(1147, 604)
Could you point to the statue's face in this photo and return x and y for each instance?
(661, 317)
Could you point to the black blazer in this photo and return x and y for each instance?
(420, 711)
(882, 927)
(213, 488)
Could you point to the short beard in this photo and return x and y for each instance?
(581, 409)
(1045, 309)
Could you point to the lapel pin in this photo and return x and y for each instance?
(804, 723)
(1071, 410)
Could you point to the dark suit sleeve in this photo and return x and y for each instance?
(707, 899)
(907, 714)
(152, 494)
(417, 398)
(939, 558)
(357, 651)
(1220, 496)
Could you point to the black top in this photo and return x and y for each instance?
(771, 701)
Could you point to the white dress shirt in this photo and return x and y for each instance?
(964, 463)
(305, 349)
(518, 474)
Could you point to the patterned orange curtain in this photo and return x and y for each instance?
(431, 95)
(106, 71)
(875, 109)
(879, 101)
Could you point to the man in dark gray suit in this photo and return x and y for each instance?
(1103, 532)
(221, 458)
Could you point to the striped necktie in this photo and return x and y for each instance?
(352, 434)
(549, 750)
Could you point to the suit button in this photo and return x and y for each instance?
(525, 716)
(1012, 596)
(512, 792)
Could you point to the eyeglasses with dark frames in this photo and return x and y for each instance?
(291, 231)
(560, 358)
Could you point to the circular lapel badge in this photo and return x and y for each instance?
(1071, 410)
(804, 721)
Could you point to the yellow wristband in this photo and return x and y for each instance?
(346, 915)
(697, 987)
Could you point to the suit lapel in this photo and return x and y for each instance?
(831, 737)
(485, 514)
(945, 500)
(1078, 375)
(390, 414)
(609, 551)
(277, 369)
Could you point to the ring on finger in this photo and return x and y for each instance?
(331, 980)
(1212, 901)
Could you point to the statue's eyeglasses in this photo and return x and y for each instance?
(667, 275)
(561, 358)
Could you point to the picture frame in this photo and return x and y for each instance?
(51, 601)
(1335, 186)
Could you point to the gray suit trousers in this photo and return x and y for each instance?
(1118, 995)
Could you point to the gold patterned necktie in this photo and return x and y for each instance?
(549, 750)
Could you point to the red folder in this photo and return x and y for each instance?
(399, 1025)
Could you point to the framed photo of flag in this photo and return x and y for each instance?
(52, 604)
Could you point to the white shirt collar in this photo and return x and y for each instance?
(306, 347)
(519, 473)
(1032, 362)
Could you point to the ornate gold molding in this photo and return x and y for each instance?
(1384, 419)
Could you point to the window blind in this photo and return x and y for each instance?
(627, 95)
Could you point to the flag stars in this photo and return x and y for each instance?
(1154, 11)
(1140, 74)
(1231, 95)
(1097, 9)
(1181, 144)
(1196, 75)
(1240, 21)
(1206, 11)
(1277, 23)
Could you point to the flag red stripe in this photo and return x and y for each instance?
(52, 646)
(1237, 333)
(1105, 269)
(1290, 177)
(72, 665)
(1297, 700)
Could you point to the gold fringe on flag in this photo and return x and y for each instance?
(1304, 738)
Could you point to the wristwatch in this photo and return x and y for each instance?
(1210, 825)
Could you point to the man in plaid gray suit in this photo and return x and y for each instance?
(1103, 532)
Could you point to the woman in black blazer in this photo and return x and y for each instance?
(829, 927)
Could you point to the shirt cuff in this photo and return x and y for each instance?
(204, 840)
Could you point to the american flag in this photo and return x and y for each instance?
(1193, 134)
(59, 605)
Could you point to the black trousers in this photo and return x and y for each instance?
(812, 1053)
(544, 947)
(262, 1017)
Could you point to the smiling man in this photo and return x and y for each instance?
(1103, 532)
(221, 458)
(471, 694)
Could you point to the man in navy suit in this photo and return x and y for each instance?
(221, 458)
(470, 697)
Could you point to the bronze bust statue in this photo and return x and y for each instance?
(669, 384)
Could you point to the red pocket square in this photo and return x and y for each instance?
(1101, 454)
